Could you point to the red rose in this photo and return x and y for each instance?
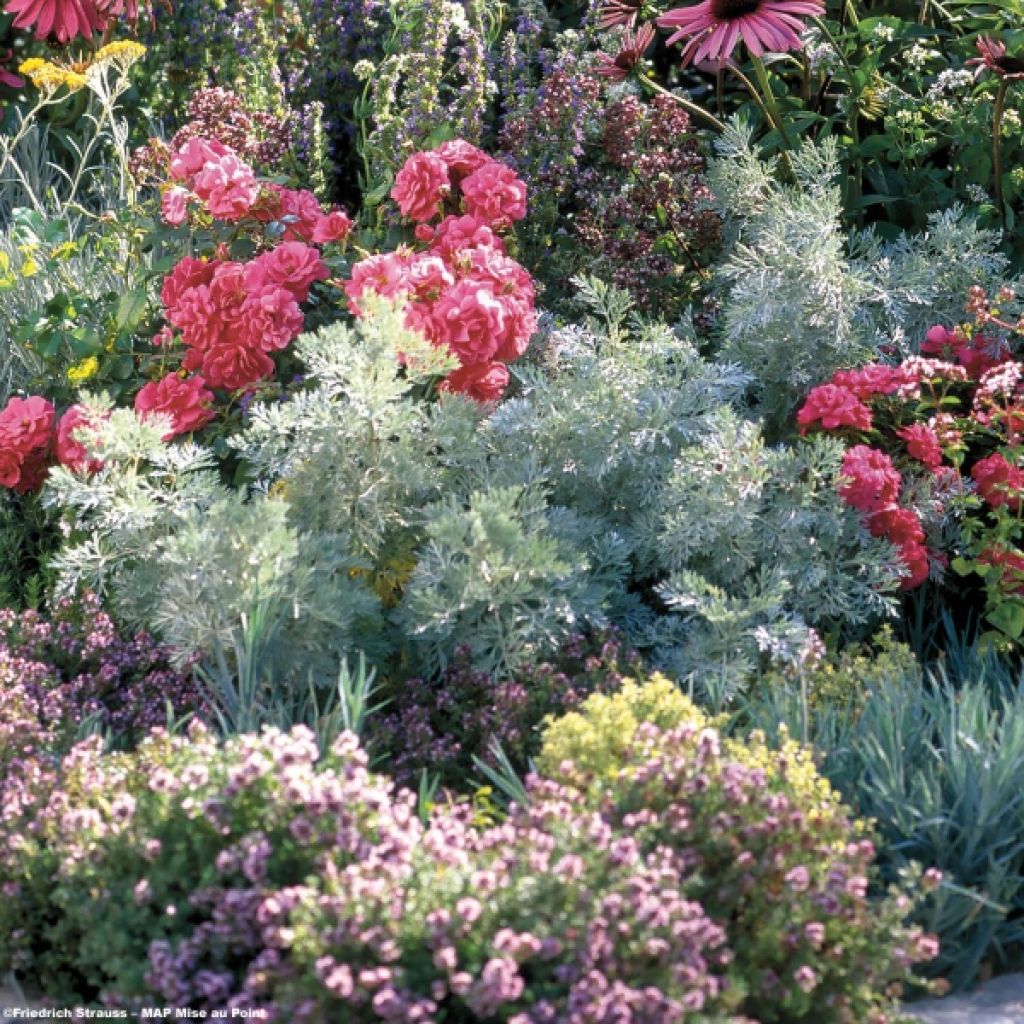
(486, 382)
(899, 525)
(915, 558)
(186, 401)
(998, 482)
(833, 407)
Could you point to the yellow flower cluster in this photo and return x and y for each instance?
(48, 76)
(81, 372)
(125, 52)
(598, 738)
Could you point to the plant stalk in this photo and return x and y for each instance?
(690, 108)
(997, 155)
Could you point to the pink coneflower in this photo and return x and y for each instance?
(714, 27)
(619, 12)
(62, 19)
(993, 58)
(9, 78)
(631, 51)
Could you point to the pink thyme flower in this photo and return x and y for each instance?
(714, 27)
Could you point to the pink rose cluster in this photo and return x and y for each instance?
(963, 385)
(872, 486)
(207, 173)
(30, 437)
(232, 315)
(462, 178)
(460, 290)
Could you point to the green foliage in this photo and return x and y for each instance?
(801, 299)
(497, 577)
(619, 488)
(935, 762)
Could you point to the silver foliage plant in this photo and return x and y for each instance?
(623, 486)
(801, 298)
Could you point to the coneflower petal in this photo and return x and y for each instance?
(714, 28)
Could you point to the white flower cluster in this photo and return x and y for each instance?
(949, 81)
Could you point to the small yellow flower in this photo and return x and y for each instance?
(48, 77)
(29, 268)
(82, 371)
(124, 53)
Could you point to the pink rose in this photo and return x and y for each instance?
(421, 185)
(385, 274)
(922, 444)
(71, 452)
(292, 265)
(272, 318)
(462, 158)
(833, 407)
(872, 481)
(228, 187)
(470, 321)
(495, 194)
(191, 157)
(186, 401)
(29, 421)
(467, 232)
(332, 227)
(26, 437)
(187, 274)
(173, 205)
(486, 382)
(231, 367)
(298, 210)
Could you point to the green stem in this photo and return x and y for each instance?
(768, 116)
(775, 117)
(852, 118)
(690, 108)
(832, 41)
(997, 156)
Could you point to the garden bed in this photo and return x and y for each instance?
(512, 514)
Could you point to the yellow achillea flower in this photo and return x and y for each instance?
(82, 371)
(124, 52)
(49, 77)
